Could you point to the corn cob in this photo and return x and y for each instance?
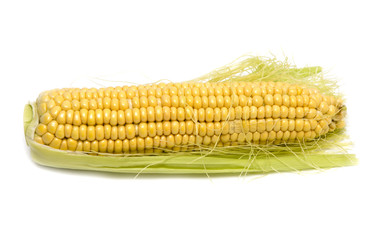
(151, 120)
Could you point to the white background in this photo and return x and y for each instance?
(55, 44)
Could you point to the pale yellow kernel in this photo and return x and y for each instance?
(292, 101)
(324, 107)
(152, 101)
(41, 129)
(299, 101)
(243, 100)
(83, 132)
(178, 139)
(318, 130)
(167, 128)
(252, 112)
(286, 136)
(123, 104)
(190, 101)
(202, 129)
(47, 138)
(286, 100)
(227, 101)
(212, 101)
(235, 100)
(264, 137)
(210, 129)
(175, 101)
(64, 145)
(279, 135)
(84, 103)
(114, 133)
(313, 124)
(253, 125)
(113, 120)
(125, 146)
(136, 115)
(207, 140)
(163, 142)
(331, 111)
(220, 101)
(173, 113)
(299, 112)
(224, 114)
(42, 108)
(209, 114)
(305, 100)
(306, 126)
(59, 100)
(261, 125)
(201, 115)
(340, 124)
(292, 91)
(256, 136)
(276, 124)
(170, 141)
(52, 126)
(276, 111)
(121, 132)
(143, 102)
(51, 104)
(204, 102)
(261, 112)
(182, 101)
(135, 102)
(238, 112)
(92, 104)
(106, 116)
(142, 91)
(311, 113)
(66, 105)
(277, 100)
(313, 102)
(234, 137)
(284, 125)
(55, 143)
(166, 113)
(103, 145)
(115, 104)
(84, 116)
(291, 112)
(68, 117)
(271, 136)
(166, 101)
(60, 131)
(182, 127)
(268, 99)
(55, 111)
(299, 125)
(130, 131)
(175, 127)
(257, 101)
(293, 136)
(91, 135)
(308, 135)
(72, 144)
(189, 127)
(159, 128)
(268, 111)
(291, 124)
(133, 145)
(110, 146)
(269, 124)
(158, 111)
